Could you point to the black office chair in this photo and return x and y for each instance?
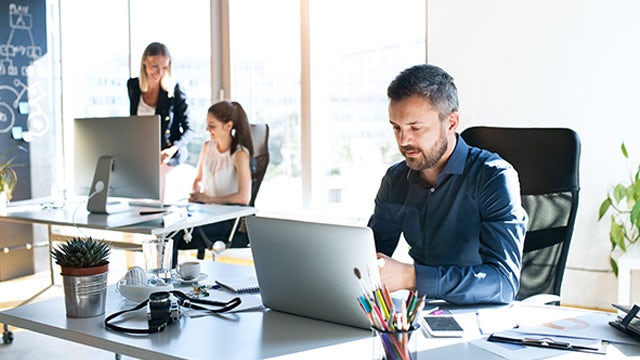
(260, 160)
(547, 161)
(259, 164)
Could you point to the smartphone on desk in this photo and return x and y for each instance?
(441, 326)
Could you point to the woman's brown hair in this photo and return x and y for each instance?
(226, 111)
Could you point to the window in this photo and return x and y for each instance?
(103, 61)
(356, 49)
(185, 28)
(97, 61)
(265, 77)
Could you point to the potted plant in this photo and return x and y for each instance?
(8, 177)
(84, 267)
(622, 202)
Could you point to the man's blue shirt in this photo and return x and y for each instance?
(465, 234)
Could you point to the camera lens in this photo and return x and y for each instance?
(159, 300)
(159, 296)
(159, 310)
(159, 303)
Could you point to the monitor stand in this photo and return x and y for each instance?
(98, 201)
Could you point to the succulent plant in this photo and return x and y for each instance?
(80, 253)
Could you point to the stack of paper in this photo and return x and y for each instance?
(586, 333)
(173, 216)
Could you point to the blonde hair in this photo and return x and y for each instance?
(166, 83)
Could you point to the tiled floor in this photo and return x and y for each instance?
(33, 346)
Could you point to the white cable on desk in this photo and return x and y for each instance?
(99, 188)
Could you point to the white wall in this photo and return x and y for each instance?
(554, 63)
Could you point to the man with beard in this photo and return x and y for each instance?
(457, 206)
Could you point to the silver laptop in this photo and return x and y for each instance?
(307, 268)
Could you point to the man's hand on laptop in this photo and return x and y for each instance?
(396, 275)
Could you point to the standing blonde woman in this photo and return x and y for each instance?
(155, 93)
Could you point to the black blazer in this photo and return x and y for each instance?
(175, 124)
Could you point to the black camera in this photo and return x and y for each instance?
(162, 311)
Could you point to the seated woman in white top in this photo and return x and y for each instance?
(223, 174)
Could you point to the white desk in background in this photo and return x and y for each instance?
(264, 334)
(74, 214)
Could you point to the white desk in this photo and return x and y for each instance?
(246, 335)
(74, 213)
(253, 334)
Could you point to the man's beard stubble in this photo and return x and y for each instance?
(428, 159)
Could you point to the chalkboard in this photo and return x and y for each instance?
(24, 97)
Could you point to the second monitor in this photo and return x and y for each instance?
(117, 157)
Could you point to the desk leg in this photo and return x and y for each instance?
(233, 231)
(7, 335)
(49, 255)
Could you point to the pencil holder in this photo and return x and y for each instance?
(391, 345)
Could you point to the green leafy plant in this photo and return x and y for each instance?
(8, 175)
(622, 202)
(80, 253)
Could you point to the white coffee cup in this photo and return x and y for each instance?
(188, 270)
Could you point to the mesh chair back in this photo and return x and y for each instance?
(547, 161)
(260, 159)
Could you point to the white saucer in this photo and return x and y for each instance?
(200, 277)
(139, 293)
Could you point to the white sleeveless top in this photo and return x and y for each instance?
(219, 176)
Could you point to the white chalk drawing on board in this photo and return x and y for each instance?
(12, 95)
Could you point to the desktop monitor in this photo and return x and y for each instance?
(117, 157)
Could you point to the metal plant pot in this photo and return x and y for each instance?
(85, 295)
